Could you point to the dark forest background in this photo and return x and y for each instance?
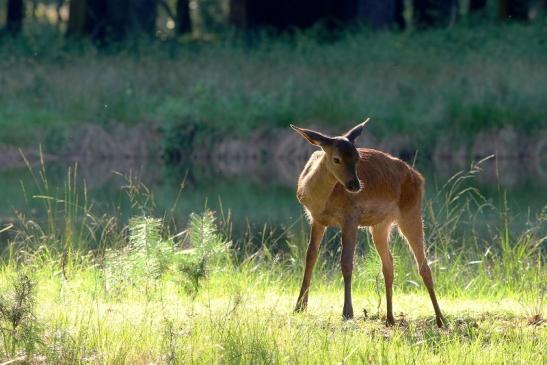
(105, 20)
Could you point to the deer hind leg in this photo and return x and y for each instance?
(317, 232)
(411, 226)
(380, 236)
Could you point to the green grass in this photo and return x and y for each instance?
(418, 84)
(244, 314)
(246, 317)
(82, 287)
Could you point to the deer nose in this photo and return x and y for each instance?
(353, 186)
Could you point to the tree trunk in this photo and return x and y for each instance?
(96, 19)
(238, 13)
(477, 11)
(513, 9)
(104, 20)
(109, 20)
(381, 14)
(118, 19)
(143, 16)
(183, 21)
(434, 13)
(518, 9)
(477, 6)
(285, 15)
(399, 17)
(15, 15)
(249, 14)
(76, 18)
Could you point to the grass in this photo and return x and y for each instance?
(83, 287)
(246, 317)
(419, 84)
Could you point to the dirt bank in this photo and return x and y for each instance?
(89, 142)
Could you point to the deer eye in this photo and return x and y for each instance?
(336, 160)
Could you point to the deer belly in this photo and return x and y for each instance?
(328, 217)
(373, 213)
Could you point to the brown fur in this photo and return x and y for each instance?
(390, 193)
(388, 185)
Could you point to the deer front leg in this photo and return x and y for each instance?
(317, 232)
(349, 240)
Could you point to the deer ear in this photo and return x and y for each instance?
(313, 137)
(356, 131)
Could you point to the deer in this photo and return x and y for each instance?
(348, 187)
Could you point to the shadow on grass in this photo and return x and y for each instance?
(423, 330)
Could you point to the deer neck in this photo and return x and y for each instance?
(316, 184)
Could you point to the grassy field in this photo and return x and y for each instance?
(82, 287)
(418, 84)
(245, 316)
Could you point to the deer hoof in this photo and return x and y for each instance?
(347, 314)
(300, 307)
(440, 322)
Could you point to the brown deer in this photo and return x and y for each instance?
(350, 187)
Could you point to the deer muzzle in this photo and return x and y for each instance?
(353, 186)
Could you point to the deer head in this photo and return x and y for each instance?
(340, 153)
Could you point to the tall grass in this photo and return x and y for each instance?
(151, 292)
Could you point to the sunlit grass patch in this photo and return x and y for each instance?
(262, 328)
(224, 324)
(242, 316)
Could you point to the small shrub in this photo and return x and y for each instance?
(208, 249)
(144, 260)
(149, 255)
(19, 329)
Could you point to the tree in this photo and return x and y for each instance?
(237, 15)
(96, 20)
(143, 14)
(381, 14)
(288, 14)
(432, 13)
(477, 10)
(477, 6)
(109, 20)
(513, 9)
(77, 17)
(183, 22)
(15, 16)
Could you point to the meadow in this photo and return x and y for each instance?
(78, 285)
(422, 85)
